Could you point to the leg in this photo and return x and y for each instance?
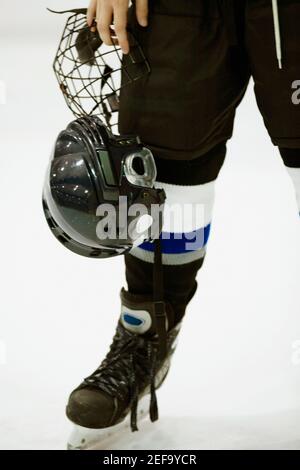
(274, 87)
(177, 115)
(193, 192)
(183, 111)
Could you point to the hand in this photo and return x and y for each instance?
(108, 12)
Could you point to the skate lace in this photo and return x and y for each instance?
(129, 367)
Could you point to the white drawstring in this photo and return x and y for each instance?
(277, 32)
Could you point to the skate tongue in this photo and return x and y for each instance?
(137, 321)
(138, 315)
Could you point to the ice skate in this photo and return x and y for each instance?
(122, 390)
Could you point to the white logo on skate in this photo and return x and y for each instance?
(136, 321)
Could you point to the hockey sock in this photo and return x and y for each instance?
(189, 188)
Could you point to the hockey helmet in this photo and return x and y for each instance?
(99, 198)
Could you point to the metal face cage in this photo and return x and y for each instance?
(89, 72)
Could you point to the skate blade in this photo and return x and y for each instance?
(89, 439)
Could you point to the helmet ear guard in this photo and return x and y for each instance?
(140, 168)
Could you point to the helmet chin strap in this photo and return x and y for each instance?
(158, 299)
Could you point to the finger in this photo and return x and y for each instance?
(142, 12)
(104, 20)
(120, 22)
(91, 13)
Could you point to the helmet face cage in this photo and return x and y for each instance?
(89, 72)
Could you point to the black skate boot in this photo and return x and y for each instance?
(135, 366)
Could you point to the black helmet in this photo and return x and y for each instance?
(95, 186)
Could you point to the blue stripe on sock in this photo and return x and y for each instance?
(172, 244)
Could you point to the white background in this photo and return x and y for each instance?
(235, 380)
